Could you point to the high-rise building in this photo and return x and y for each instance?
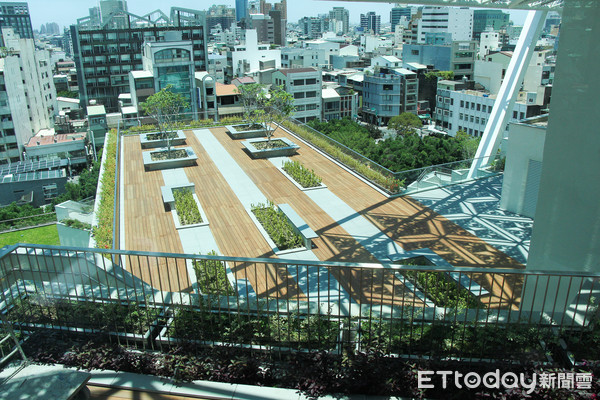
(397, 13)
(220, 15)
(265, 7)
(17, 16)
(442, 25)
(313, 27)
(105, 55)
(370, 22)
(483, 19)
(241, 9)
(339, 20)
(27, 94)
(109, 7)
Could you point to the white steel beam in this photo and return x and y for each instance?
(511, 84)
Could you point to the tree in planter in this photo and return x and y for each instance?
(266, 108)
(405, 124)
(164, 107)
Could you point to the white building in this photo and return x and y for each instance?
(437, 22)
(386, 61)
(248, 56)
(469, 110)
(27, 94)
(489, 41)
(305, 84)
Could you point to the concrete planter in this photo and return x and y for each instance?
(152, 165)
(288, 150)
(154, 143)
(236, 132)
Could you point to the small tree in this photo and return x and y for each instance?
(266, 108)
(164, 107)
(405, 124)
(468, 144)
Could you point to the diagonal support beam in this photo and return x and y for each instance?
(494, 129)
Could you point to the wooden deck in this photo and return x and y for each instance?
(149, 227)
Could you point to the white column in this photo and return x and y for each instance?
(494, 129)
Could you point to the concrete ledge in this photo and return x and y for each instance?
(153, 143)
(288, 150)
(152, 165)
(299, 225)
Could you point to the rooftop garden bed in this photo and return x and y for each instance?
(314, 374)
(186, 207)
(303, 176)
(103, 232)
(187, 123)
(385, 180)
(166, 159)
(212, 276)
(158, 139)
(291, 331)
(106, 316)
(246, 131)
(515, 342)
(277, 226)
(263, 148)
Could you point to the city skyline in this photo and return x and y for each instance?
(66, 12)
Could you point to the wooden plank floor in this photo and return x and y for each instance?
(110, 393)
(233, 230)
(333, 243)
(415, 226)
(148, 227)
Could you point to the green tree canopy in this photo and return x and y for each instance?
(405, 124)
(268, 109)
(468, 144)
(165, 107)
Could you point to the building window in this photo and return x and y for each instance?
(471, 118)
(477, 120)
(311, 81)
(299, 95)
(522, 116)
(462, 103)
(515, 114)
(414, 52)
(298, 82)
(311, 94)
(478, 107)
(460, 116)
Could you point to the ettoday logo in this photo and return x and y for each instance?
(508, 380)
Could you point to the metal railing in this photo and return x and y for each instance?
(157, 300)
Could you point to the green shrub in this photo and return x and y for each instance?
(387, 182)
(277, 226)
(305, 177)
(212, 277)
(313, 332)
(75, 223)
(107, 316)
(103, 232)
(201, 324)
(186, 207)
(443, 291)
(192, 124)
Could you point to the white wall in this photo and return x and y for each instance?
(525, 142)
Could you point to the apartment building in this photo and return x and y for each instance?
(16, 15)
(339, 102)
(458, 108)
(389, 92)
(105, 54)
(27, 94)
(370, 22)
(484, 19)
(305, 84)
(339, 20)
(445, 23)
(458, 57)
(249, 56)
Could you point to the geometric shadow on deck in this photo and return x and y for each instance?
(475, 207)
